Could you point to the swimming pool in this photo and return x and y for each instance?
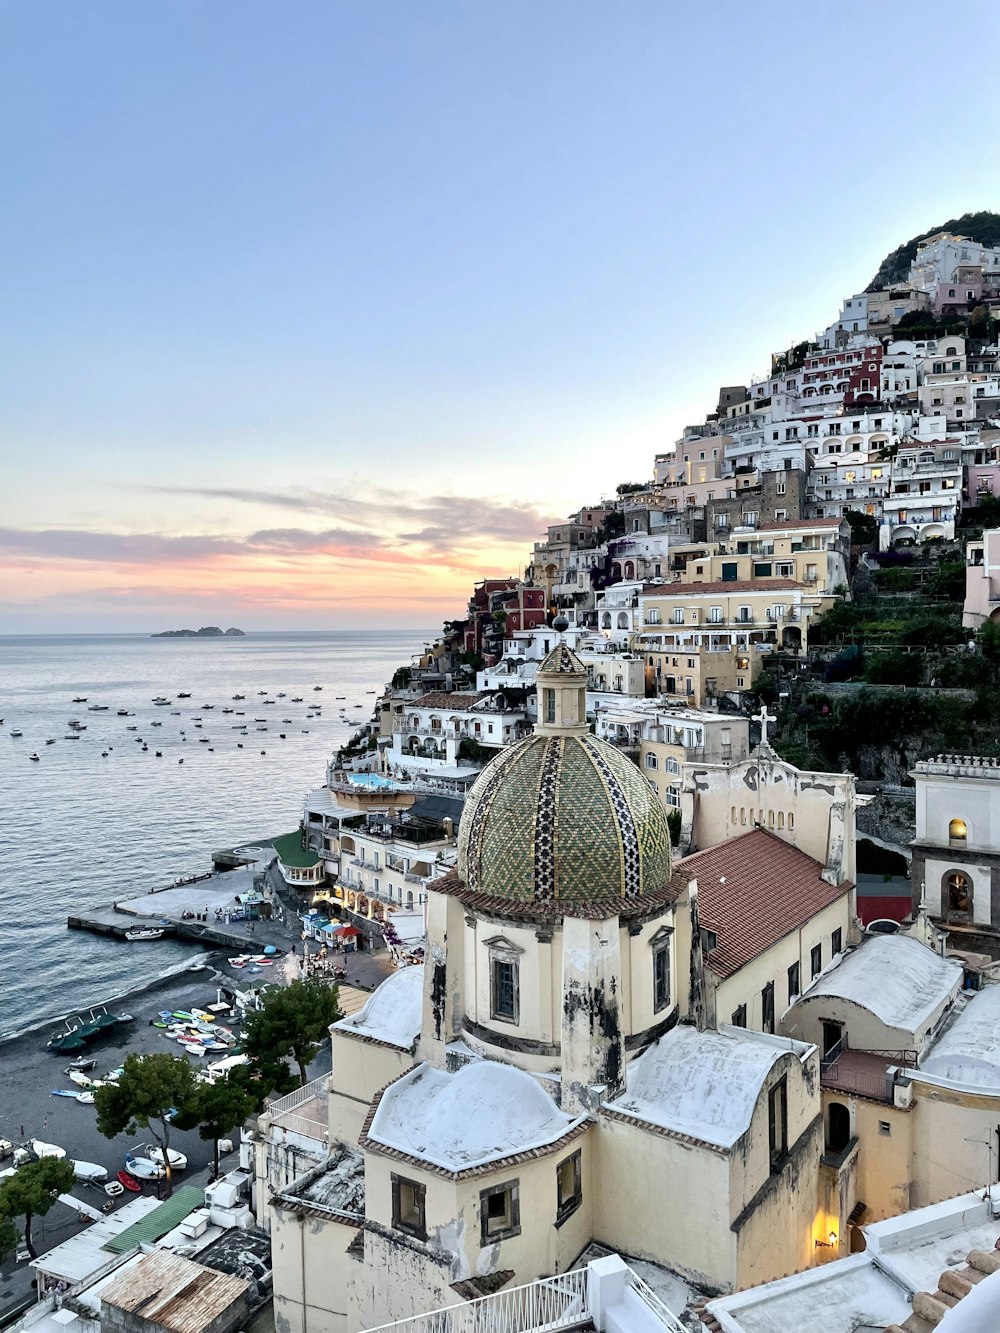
(370, 780)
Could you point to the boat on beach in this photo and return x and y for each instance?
(42, 1149)
(129, 1181)
(141, 1168)
(177, 1160)
(90, 1172)
(85, 1098)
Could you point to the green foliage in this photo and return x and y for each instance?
(894, 668)
(674, 824)
(896, 580)
(864, 528)
(947, 581)
(8, 1237)
(612, 525)
(400, 677)
(470, 749)
(632, 487)
(988, 642)
(218, 1108)
(291, 1026)
(31, 1191)
(151, 1089)
(764, 688)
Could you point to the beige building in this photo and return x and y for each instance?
(812, 552)
(731, 613)
(697, 673)
(553, 1072)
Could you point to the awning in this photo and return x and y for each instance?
(346, 930)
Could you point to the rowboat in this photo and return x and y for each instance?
(142, 1168)
(63, 1092)
(80, 1078)
(91, 1172)
(129, 1182)
(177, 1160)
(113, 1188)
(85, 1098)
(140, 933)
(82, 1065)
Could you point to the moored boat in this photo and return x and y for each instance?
(129, 1181)
(142, 933)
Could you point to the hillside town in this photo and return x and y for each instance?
(691, 1009)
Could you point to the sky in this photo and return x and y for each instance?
(313, 313)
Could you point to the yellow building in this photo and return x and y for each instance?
(752, 615)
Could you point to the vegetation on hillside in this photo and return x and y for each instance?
(983, 227)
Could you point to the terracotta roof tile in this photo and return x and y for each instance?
(442, 699)
(770, 889)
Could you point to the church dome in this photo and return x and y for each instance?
(561, 817)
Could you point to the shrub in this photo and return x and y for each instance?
(892, 668)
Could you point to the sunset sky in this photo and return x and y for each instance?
(314, 313)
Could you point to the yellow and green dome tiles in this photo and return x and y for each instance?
(563, 819)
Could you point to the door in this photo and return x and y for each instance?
(832, 1034)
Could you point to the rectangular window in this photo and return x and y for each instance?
(836, 941)
(793, 982)
(777, 1123)
(409, 1207)
(661, 976)
(503, 986)
(569, 1187)
(767, 1008)
(740, 1017)
(550, 705)
(816, 960)
(884, 1127)
(500, 1212)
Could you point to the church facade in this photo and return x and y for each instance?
(564, 1069)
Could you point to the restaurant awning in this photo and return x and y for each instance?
(346, 930)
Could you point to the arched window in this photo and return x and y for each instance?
(623, 620)
(958, 831)
(958, 887)
(781, 819)
(673, 766)
(606, 620)
(791, 820)
(651, 761)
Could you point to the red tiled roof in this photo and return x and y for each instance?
(770, 889)
(442, 699)
(737, 585)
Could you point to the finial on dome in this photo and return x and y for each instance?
(561, 623)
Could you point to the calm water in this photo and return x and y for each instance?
(77, 829)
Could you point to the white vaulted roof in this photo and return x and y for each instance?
(393, 1013)
(901, 981)
(480, 1114)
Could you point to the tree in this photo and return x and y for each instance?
(151, 1091)
(8, 1237)
(217, 1109)
(291, 1026)
(31, 1191)
(864, 527)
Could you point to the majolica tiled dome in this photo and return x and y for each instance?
(562, 817)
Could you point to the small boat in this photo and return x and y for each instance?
(262, 693)
(76, 724)
(183, 695)
(91, 1172)
(207, 707)
(160, 701)
(297, 699)
(156, 724)
(238, 962)
(159, 754)
(262, 728)
(227, 710)
(113, 1188)
(141, 933)
(15, 732)
(42, 1149)
(177, 1160)
(132, 728)
(34, 758)
(51, 741)
(69, 1040)
(63, 1092)
(80, 699)
(238, 697)
(98, 708)
(123, 712)
(80, 1078)
(72, 736)
(87, 1098)
(183, 1015)
(281, 695)
(282, 736)
(142, 1168)
(203, 740)
(269, 701)
(82, 1065)
(129, 1182)
(305, 731)
(317, 687)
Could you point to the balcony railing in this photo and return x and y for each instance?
(304, 1111)
(549, 1303)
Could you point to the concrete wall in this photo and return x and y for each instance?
(865, 1030)
(954, 1141)
(311, 1271)
(360, 1070)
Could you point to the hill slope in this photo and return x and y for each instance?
(983, 227)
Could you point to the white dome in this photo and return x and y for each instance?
(393, 1013)
(484, 1112)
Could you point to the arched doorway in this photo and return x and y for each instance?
(957, 897)
(838, 1127)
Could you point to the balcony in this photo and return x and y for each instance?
(606, 1295)
(863, 1073)
(303, 1111)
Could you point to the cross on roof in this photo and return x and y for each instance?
(763, 717)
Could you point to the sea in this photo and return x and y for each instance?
(100, 817)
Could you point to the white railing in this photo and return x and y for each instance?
(549, 1303)
(317, 1088)
(646, 1293)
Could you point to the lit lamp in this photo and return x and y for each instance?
(827, 1244)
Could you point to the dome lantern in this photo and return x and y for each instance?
(562, 694)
